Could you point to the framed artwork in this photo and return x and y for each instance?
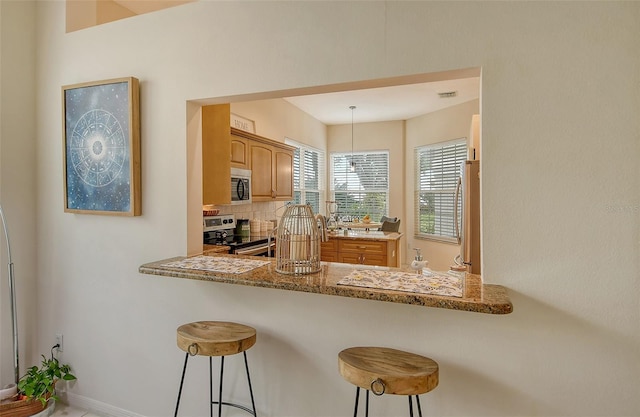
(101, 149)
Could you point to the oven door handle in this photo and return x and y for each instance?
(254, 250)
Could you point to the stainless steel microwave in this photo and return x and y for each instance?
(240, 186)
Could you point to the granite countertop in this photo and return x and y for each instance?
(477, 297)
(363, 234)
(211, 249)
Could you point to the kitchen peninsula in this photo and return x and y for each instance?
(476, 296)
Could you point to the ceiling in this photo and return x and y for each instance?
(400, 102)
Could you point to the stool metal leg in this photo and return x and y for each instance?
(184, 369)
(220, 390)
(419, 409)
(411, 407)
(220, 402)
(366, 408)
(211, 387)
(355, 411)
(246, 366)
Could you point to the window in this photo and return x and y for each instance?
(308, 175)
(364, 190)
(437, 172)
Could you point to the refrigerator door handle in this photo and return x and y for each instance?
(456, 198)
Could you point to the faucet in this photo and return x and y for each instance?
(271, 234)
(323, 227)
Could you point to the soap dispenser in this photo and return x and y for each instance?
(418, 262)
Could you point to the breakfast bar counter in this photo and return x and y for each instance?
(261, 272)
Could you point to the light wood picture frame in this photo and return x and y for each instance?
(101, 147)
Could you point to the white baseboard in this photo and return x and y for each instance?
(98, 407)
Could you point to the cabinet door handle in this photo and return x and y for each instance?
(362, 247)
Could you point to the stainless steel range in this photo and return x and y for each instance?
(220, 230)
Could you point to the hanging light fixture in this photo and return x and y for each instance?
(353, 163)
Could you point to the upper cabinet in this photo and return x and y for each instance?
(240, 152)
(223, 147)
(216, 148)
(271, 165)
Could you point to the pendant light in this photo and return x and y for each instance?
(353, 163)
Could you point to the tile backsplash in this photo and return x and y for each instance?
(268, 210)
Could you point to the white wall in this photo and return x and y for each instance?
(561, 229)
(17, 181)
(440, 126)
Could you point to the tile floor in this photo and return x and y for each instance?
(63, 410)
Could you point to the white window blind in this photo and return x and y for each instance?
(437, 171)
(364, 190)
(308, 175)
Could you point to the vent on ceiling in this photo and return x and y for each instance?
(448, 94)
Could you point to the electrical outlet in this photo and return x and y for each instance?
(59, 342)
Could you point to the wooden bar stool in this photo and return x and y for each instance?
(388, 371)
(216, 338)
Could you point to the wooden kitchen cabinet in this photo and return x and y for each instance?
(362, 259)
(271, 165)
(329, 251)
(216, 147)
(224, 147)
(240, 152)
(362, 251)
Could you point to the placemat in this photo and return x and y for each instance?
(213, 264)
(428, 282)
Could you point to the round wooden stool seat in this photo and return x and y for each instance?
(388, 371)
(215, 338)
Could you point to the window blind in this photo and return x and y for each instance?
(308, 175)
(364, 190)
(437, 172)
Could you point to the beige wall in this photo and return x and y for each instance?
(557, 127)
(440, 126)
(277, 119)
(380, 136)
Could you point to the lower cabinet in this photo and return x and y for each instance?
(329, 251)
(360, 251)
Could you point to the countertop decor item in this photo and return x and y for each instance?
(298, 241)
(102, 147)
(210, 210)
(224, 265)
(428, 282)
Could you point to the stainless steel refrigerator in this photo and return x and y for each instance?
(467, 221)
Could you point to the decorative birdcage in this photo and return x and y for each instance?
(298, 241)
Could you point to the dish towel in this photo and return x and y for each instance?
(429, 282)
(213, 264)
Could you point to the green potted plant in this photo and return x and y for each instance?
(38, 383)
(36, 387)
